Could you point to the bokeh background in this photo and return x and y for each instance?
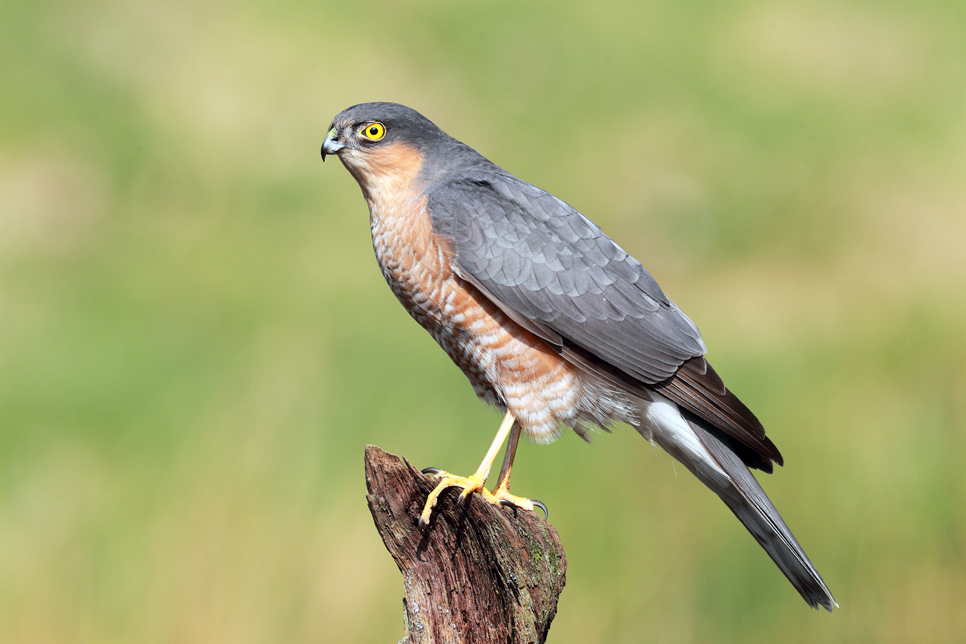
(196, 344)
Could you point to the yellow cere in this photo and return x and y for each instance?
(373, 131)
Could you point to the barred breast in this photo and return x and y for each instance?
(507, 366)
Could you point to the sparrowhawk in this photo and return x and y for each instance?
(550, 320)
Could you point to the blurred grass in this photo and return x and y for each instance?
(195, 343)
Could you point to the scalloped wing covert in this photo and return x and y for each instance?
(559, 275)
(563, 273)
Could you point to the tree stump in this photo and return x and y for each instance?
(478, 573)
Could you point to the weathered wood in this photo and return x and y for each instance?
(478, 573)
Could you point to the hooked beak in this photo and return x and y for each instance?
(331, 145)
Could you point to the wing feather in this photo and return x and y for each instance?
(557, 274)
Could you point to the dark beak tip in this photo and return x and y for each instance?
(330, 148)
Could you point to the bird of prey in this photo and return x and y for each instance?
(549, 319)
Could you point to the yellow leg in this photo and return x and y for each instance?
(475, 482)
(503, 481)
(502, 490)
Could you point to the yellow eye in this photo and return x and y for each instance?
(373, 131)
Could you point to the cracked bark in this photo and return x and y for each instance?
(478, 573)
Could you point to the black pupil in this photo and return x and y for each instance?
(373, 131)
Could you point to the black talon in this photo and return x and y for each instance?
(539, 504)
(431, 470)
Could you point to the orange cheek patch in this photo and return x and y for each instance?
(386, 172)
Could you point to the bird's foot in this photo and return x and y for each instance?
(503, 497)
(471, 484)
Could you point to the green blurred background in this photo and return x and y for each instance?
(196, 344)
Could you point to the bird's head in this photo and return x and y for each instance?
(377, 140)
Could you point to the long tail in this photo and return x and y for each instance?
(689, 440)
